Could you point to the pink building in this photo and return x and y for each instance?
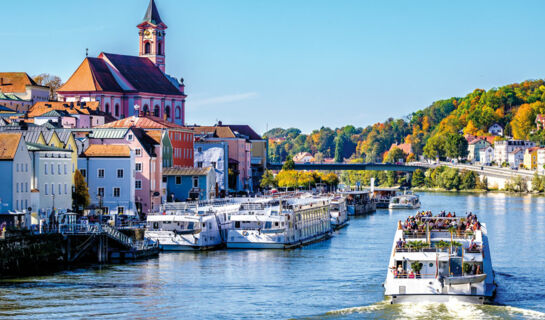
(148, 162)
(121, 82)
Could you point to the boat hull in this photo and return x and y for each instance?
(276, 245)
(338, 226)
(439, 298)
(178, 247)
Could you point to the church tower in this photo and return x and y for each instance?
(152, 36)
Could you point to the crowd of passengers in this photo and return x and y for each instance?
(415, 224)
(401, 273)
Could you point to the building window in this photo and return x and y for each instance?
(156, 110)
(83, 172)
(100, 192)
(17, 170)
(130, 137)
(107, 108)
(117, 192)
(101, 173)
(45, 168)
(178, 112)
(195, 182)
(138, 184)
(65, 169)
(120, 173)
(138, 152)
(199, 164)
(164, 179)
(145, 109)
(26, 186)
(178, 180)
(46, 189)
(26, 167)
(159, 48)
(199, 149)
(167, 112)
(60, 188)
(52, 169)
(59, 171)
(17, 187)
(65, 189)
(120, 210)
(52, 189)
(116, 110)
(147, 48)
(138, 167)
(213, 163)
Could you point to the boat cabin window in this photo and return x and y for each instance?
(156, 225)
(268, 225)
(204, 224)
(237, 224)
(276, 224)
(190, 225)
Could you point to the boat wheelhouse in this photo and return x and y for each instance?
(338, 213)
(187, 226)
(359, 202)
(405, 201)
(279, 223)
(440, 259)
(382, 196)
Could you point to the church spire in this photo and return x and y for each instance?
(152, 14)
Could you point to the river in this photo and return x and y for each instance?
(340, 278)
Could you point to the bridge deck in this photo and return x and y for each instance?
(349, 166)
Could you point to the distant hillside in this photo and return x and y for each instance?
(429, 131)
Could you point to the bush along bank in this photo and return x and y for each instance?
(448, 179)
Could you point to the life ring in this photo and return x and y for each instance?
(245, 233)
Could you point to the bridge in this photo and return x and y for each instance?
(350, 166)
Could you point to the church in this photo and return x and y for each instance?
(126, 85)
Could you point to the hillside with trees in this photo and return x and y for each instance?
(435, 131)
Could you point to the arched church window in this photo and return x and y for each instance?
(107, 108)
(178, 112)
(117, 110)
(160, 48)
(147, 48)
(156, 110)
(167, 112)
(145, 109)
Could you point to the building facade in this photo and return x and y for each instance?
(109, 173)
(19, 92)
(16, 171)
(496, 129)
(214, 154)
(502, 149)
(486, 155)
(530, 158)
(184, 184)
(474, 147)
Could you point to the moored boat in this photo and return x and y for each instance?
(338, 213)
(359, 202)
(405, 201)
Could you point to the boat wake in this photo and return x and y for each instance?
(385, 310)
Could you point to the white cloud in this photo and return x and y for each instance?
(222, 99)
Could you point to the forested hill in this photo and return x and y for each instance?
(429, 131)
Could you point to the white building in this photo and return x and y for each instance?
(496, 129)
(515, 158)
(503, 148)
(541, 160)
(16, 171)
(486, 155)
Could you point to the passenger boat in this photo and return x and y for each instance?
(440, 259)
(182, 226)
(359, 202)
(338, 213)
(279, 223)
(382, 196)
(405, 201)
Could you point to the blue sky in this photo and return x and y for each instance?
(297, 63)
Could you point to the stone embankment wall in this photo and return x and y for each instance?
(31, 254)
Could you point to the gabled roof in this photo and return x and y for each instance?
(405, 147)
(145, 122)
(15, 81)
(55, 114)
(156, 135)
(186, 171)
(152, 14)
(41, 107)
(108, 133)
(146, 141)
(245, 130)
(107, 151)
(8, 145)
(92, 75)
(41, 147)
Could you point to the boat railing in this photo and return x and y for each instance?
(415, 276)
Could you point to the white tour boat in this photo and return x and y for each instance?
(338, 213)
(183, 226)
(405, 201)
(359, 202)
(440, 259)
(269, 223)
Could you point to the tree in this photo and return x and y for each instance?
(51, 81)
(418, 178)
(469, 180)
(339, 147)
(330, 179)
(268, 180)
(288, 165)
(395, 155)
(538, 183)
(450, 179)
(434, 148)
(80, 196)
(455, 146)
(287, 178)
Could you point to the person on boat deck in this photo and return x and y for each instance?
(411, 275)
(400, 271)
(449, 215)
(399, 243)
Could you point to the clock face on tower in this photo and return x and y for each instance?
(147, 34)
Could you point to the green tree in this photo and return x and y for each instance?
(418, 178)
(80, 196)
(395, 155)
(339, 148)
(537, 183)
(450, 179)
(268, 180)
(434, 148)
(469, 180)
(455, 146)
(289, 165)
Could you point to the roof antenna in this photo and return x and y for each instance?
(86, 52)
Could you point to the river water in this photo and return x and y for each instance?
(340, 278)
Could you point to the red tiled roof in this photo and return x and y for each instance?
(15, 82)
(145, 122)
(8, 145)
(245, 130)
(107, 151)
(142, 74)
(42, 107)
(92, 75)
(405, 147)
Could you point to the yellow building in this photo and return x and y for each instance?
(530, 158)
